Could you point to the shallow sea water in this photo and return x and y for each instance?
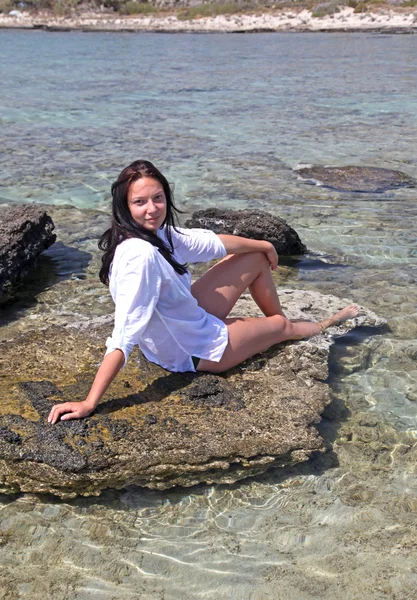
(227, 118)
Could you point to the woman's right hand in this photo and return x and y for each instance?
(111, 365)
(69, 410)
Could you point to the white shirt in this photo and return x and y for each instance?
(154, 305)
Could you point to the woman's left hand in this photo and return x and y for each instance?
(272, 256)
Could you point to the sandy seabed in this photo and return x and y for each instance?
(345, 20)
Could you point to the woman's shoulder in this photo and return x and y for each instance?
(134, 248)
(184, 234)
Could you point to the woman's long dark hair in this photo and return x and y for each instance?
(124, 226)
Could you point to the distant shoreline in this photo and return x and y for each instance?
(383, 21)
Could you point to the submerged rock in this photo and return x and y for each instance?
(25, 232)
(154, 428)
(356, 179)
(253, 224)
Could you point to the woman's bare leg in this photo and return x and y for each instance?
(249, 336)
(218, 290)
(349, 312)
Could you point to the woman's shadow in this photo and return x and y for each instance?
(159, 389)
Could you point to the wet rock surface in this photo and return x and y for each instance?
(356, 179)
(254, 224)
(25, 232)
(154, 428)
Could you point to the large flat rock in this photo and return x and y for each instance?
(154, 428)
(355, 179)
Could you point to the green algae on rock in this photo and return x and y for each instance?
(356, 179)
(154, 428)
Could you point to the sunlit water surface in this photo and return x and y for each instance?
(227, 118)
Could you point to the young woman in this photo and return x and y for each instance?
(180, 326)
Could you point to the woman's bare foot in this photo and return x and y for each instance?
(349, 312)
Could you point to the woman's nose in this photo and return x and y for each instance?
(152, 207)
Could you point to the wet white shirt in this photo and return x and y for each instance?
(154, 305)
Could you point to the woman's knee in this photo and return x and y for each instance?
(255, 262)
(259, 257)
(284, 328)
(287, 330)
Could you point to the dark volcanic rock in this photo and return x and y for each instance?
(25, 232)
(253, 224)
(356, 179)
(213, 392)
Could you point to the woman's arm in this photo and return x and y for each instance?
(107, 371)
(240, 245)
(137, 293)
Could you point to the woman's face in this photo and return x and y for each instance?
(147, 203)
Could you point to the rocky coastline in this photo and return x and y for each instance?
(389, 19)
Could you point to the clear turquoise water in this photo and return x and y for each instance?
(227, 118)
